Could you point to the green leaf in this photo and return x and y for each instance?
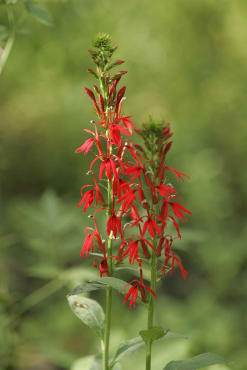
(126, 348)
(3, 32)
(152, 334)
(197, 362)
(117, 284)
(101, 283)
(96, 364)
(82, 363)
(171, 335)
(39, 12)
(86, 288)
(89, 312)
(132, 345)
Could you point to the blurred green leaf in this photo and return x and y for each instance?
(38, 11)
(3, 32)
(89, 312)
(171, 335)
(11, 1)
(126, 348)
(197, 362)
(82, 363)
(96, 363)
(152, 334)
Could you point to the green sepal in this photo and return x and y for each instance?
(197, 362)
(89, 312)
(153, 334)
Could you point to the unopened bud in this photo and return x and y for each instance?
(90, 216)
(92, 121)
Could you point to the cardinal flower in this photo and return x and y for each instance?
(179, 175)
(165, 191)
(133, 291)
(177, 209)
(108, 165)
(133, 249)
(152, 226)
(86, 146)
(88, 243)
(114, 225)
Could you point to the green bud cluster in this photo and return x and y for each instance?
(104, 50)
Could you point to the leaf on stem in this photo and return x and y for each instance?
(197, 362)
(101, 283)
(132, 345)
(126, 348)
(89, 312)
(38, 11)
(153, 334)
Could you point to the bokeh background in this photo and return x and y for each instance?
(187, 63)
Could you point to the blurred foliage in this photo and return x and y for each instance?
(187, 64)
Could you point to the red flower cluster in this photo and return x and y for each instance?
(138, 195)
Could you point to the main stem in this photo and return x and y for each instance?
(108, 303)
(151, 308)
(108, 292)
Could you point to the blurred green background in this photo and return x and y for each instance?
(187, 63)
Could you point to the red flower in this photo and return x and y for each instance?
(132, 293)
(115, 130)
(114, 225)
(109, 166)
(134, 171)
(175, 224)
(86, 146)
(165, 191)
(91, 96)
(127, 199)
(176, 259)
(177, 208)
(177, 173)
(152, 227)
(88, 198)
(128, 123)
(88, 243)
(133, 249)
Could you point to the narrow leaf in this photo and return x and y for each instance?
(197, 362)
(89, 312)
(39, 12)
(152, 334)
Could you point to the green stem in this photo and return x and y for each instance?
(108, 305)
(151, 308)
